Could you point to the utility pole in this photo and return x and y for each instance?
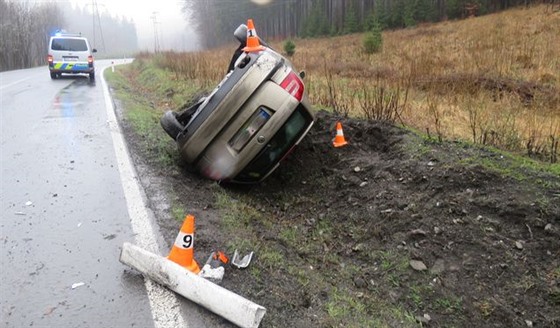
(93, 17)
(156, 38)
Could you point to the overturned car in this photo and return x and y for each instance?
(244, 128)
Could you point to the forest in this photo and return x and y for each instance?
(280, 19)
(27, 26)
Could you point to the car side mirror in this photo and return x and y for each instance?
(94, 50)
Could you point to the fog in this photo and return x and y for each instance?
(174, 32)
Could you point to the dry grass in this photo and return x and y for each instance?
(493, 80)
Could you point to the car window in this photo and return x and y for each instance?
(69, 44)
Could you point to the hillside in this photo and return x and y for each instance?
(397, 229)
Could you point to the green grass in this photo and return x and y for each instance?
(449, 304)
(143, 118)
(235, 213)
(178, 212)
(290, 235)
(513, 165)
(348, 310)
(270, 257)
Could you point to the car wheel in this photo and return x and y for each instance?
(92, 76)
(171, 125)
(54, 76)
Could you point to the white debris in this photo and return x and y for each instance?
(28, 203)
(78, 284)
(213, 274)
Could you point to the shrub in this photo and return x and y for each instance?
(372, 43)
(289, 47)
(373, 40)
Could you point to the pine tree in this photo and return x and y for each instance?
(351, 24)
(373, 40)
(409, 11)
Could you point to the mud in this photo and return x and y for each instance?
(352, 225)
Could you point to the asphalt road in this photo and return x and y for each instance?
(65, 210)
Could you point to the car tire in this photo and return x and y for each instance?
(171, 125)
(54, 76)
(92, 76)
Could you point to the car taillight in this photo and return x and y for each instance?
(293, 84)
(90, 60)
(50, 59)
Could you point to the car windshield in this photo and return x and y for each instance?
(69, 44)
(278, 146)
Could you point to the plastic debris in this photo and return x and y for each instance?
(78, 284)
(213, 274)
(241, 263)
(214, 269)
(28, 203)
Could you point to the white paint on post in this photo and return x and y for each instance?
(164, 304)
(217, 299)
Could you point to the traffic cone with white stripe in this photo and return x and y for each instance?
(182, 251)
(339, 140)
(253, 44)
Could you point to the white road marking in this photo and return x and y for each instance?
(164, 304)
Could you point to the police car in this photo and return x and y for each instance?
(71, 54)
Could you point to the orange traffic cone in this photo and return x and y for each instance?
(339, 140)
(183, 249)
(253, 44)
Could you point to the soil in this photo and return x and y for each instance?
(391, 230)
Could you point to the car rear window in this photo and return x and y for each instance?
(69, 44)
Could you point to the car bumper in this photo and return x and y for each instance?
(71, 68)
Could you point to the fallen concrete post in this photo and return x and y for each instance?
(217, 299)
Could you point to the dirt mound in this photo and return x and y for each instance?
(391, 230)
(486, 242)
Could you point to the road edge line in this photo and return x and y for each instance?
(164, 304)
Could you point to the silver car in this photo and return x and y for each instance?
(248, 124)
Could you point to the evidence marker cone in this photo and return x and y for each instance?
(183, 249)
(253, 44)
(339, 140)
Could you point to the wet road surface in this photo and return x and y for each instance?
(64, 215)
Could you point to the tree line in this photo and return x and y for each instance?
(25, 30)
(280, 19)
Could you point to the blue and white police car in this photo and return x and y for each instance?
(70, 54)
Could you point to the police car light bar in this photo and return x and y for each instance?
(64, 33)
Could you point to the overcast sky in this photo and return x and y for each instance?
(174, 30)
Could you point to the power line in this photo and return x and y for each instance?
(156, 37)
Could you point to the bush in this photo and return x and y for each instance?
(289, 48)
(372, 42)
